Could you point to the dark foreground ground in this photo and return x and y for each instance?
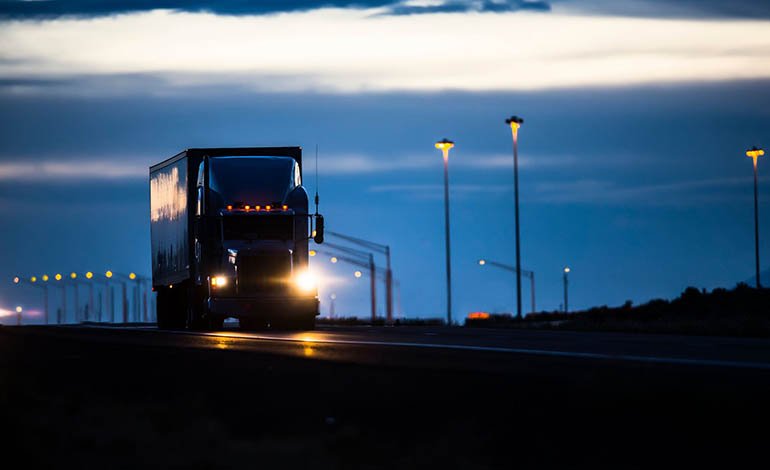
(95, 398)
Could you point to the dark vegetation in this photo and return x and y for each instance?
(742, 311)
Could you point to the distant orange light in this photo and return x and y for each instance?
(249, 207)
(229, 207)
(755, 152)
(285, 207)
(478, 316)
(268, 208)
(258, 208)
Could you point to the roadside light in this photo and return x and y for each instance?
(108, 274)
(132, 276)
(45, 277)
(33, 279)
(305, 281)
(312, 253)
(73, 275)
(755, 152)
(478, 316)
(57, 277)
(357, 274)
(19, 309)
(89, 275)
(218, 281)
(268, 208)
(444, 146)
(566, 270)
(482, 262)
(285, 207)
(247, 207)
(229, 207)
(16, 280)
(334, 259)
(257, 208)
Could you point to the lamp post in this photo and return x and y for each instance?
(525, 272)
(33, 282)
(61, 313)
(18, 315)
(445, 145)
(515, 122)
(566, 282)
(755, 153)
(385, 250)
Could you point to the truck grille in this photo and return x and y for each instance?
(262, 272)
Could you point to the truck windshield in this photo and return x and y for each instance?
(252, 180)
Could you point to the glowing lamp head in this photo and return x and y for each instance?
(306, 281)
(45, 277)
(755, 152)
(268, 208)
(19, 309)
(57, 277)
(89, 275)
(247, 207)
(74, 275)
(33, 279)
(108, 274)
(515, 122)
(132, 276)
(482, 262)
(218, 281)
(16, 280)
(357, 274)
(566, 270)
(444, 145)
(333, 259)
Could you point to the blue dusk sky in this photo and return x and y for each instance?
(632, 172)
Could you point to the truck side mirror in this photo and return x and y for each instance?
(318, 237)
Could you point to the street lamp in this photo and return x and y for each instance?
(445, 145)
(18, 315)
(755, 153)
(566, 304)
(525, 272)
(515, 122)
(62, 312)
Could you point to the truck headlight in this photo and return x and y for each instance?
(306, 281)
(218, 281)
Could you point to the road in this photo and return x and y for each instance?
(362, 397)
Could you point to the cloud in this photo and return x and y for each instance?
(94, 8)
(351, 51)
(71, 170)
(362, 164)
(668, 8)
(674, 193)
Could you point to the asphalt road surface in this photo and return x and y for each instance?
(359, 397)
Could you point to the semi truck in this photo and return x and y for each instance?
(230, 231)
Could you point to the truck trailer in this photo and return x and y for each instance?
(230, 229)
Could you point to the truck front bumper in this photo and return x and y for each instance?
(263, 307)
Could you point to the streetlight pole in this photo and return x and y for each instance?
(566, 302)
(755, 153)
(385, 250)
(515, 122)
(445, 145)
(33, 282)
(525, 272)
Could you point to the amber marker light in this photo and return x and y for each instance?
(478, 316)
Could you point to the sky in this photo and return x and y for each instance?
(632, 172)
